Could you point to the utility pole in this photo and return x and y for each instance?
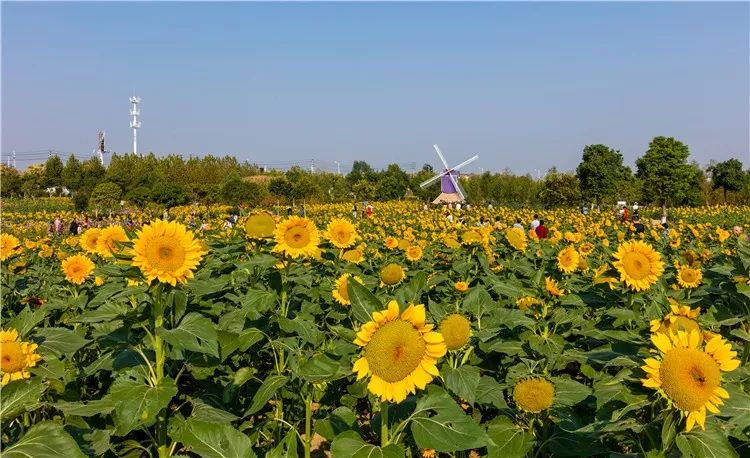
(134, 122)
(338, 167)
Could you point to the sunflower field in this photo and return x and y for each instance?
(398, 335)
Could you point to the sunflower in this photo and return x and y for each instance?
(403, 244)
(167, 251)
(689, 277)
(341, 289)
(297, 237)
(722, 234)
(355, 256)
(89, 239)
(414, 253)
(106, 243)
(260, 225)
(400, 352)
(517, 238)
(681, 318)
(391, 242)
(534, 394)
(471, 237)
(341, 233)
(451, 242)
(688, 373)
(567, 260)
(16, 356)
(586, 249)
(525, 302)
(77, 268)
(639, 264)
(392, 274)
(461, 286)
(456, 331)
(599, 277)
(552, 287)
(429, 453)
(8, 246)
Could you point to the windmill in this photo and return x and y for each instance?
(450, 189)
(100, 150)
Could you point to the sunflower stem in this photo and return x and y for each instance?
(383, 423)
(308, 424)
(159, 350)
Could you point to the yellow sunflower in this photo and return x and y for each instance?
(77, 268)
(567, 260)
(89, 239)
(341, 288)
(167, 252)
(689, 277)
(471, 237)
(297, 237)
(456, 331)
(681, 318)
(341, 233)
(260, 225)
(689, 373)
(451, 242)
(550, 284)
(392, 274)
(16, 357)
(401, 352)
(8, 246)
(534, 394)
(391, 242)
(414, 253)
(516, 238)
(525, 302)
(639, 264)
(109, 237)
(354, 256)
(461, 286)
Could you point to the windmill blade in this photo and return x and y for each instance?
(459, 189)
(466, 162)
(442, 158)
(426, 183)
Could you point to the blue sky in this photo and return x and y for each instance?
(524, 85)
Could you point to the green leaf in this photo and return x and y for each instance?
(45, 439)
(60, 341)
(510, 289)
(307, 330)
(137, 404)
(511, 440)
(449, 429)
(229, 342)
(258, 301)
(320, 368)
(569, 392)
(462, 381)
(212, 440)
(351, 445)
(20, 396)
(711, 443)
(86, 409)
(490, 392)
(26, 320)
(477, 301)
(266, 391)
(195, 333)
(287, 448)
(363, 302)
(205, 412)
(340, 420)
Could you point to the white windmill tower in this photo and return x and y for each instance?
(450, 188)
(134, 122)
(100, 149)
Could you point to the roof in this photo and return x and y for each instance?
(447, 198)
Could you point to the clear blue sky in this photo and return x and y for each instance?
(525, 85)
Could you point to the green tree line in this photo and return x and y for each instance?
(663, 176)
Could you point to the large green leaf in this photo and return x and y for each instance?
(711, 443)
(86, 409)
(212, 440)
(363, 302)
(59, 341)
(349, 444)
(490, 392)
(206, 412)
(340, 420)
(477, 301)
(569, 392)
(512, 441)
(45, 439)
(20, 396)
(26, 320)
(462, 381)
(195, 333)
(137, 404)
(266, 391)
(439, 423)
(320, 368)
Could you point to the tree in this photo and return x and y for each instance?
(392, 183)
(169, 194)
(664, 171)
(81, 201)
(560, 190)
(280, 187)
(10, 181)
(235, 191)
(360, 170)
(106, 195)
(72, 174)
(728, 176)
(600, 172)
(92, 172)
(138, 196)
(53, 170)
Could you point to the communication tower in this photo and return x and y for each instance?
(134, 122)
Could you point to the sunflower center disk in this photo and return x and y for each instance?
(637, 265)
(395, 350)
(166, 254)
(297, 237)
(13, 359)
(689, 377)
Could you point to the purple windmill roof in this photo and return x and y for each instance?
(446, 185)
